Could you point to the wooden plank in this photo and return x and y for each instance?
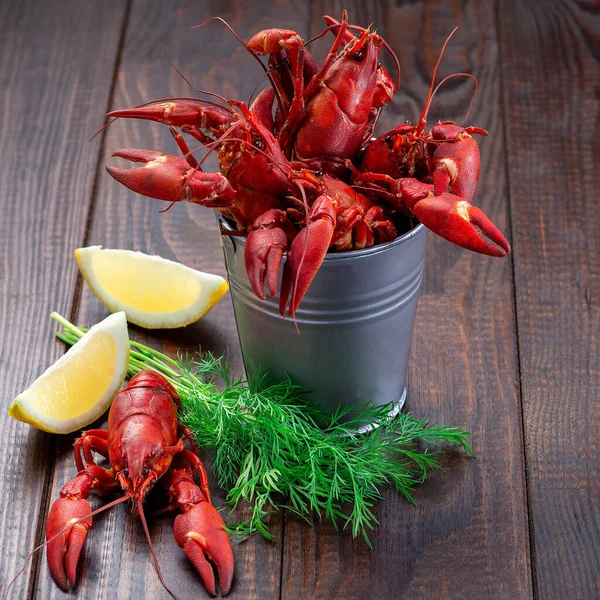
(116, 561)
(550, 60)
(56, 66)
(468, 537)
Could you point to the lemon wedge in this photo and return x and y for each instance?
(80, 386)
(153, 292)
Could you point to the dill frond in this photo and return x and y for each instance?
(274, 450)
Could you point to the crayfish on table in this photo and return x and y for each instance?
(144, 445)
(300, 173)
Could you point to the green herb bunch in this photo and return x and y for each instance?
(275, 450)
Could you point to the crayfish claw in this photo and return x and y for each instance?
(264, 250)
(262, 255)
(195, 552)
(171, 178)
(177, 114)
(201, 533)
(480, 221)
(306, 254)
(452, 217)
(138, 155)
(461, 223)
(65, 548)
(162, 176)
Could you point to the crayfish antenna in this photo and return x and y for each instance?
(152, 551)
(423, 117)
(102, 129)
(170, 99)
(196, 89)
(441, 83)
(66, 528)
(251, 52)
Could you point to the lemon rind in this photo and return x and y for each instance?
(187, 315)
(24, 409)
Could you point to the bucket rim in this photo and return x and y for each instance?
(346, 255)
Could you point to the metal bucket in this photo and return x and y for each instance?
(356, 323)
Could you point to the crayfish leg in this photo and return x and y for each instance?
(199, 529)
(307, 253)
(70, 520)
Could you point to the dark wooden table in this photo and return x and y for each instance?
(510, 348)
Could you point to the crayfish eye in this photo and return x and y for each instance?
(145, 472)
(258, 144)
(389, 140)
(319, 173)
(358, 56)
(126, 472)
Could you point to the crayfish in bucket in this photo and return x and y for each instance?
(144, 445)
(300, 173)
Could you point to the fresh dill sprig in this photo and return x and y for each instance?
(275, 450)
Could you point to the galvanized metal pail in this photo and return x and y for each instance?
(356, 323)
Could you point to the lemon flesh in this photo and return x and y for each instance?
(152, 291)
(80, 386)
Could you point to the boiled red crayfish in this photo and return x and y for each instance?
(434, 175)
(144, 444)
(333, 110)
(300, 158)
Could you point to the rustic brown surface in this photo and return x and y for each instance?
(551, 84)
(463, 370)
(507, 347)
(56, 68)
(118, 564)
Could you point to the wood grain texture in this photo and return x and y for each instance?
(468, 537)
(117, 561)
(56, 67)
(486, 335)
(550, 61)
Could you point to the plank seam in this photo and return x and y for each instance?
(94, 194)
(282, 555)
(41, 524)
(530, 524)
(49, 479)
(309, 21)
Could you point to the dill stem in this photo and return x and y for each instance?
(67, 325)
(271, 444)
(138, 361)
